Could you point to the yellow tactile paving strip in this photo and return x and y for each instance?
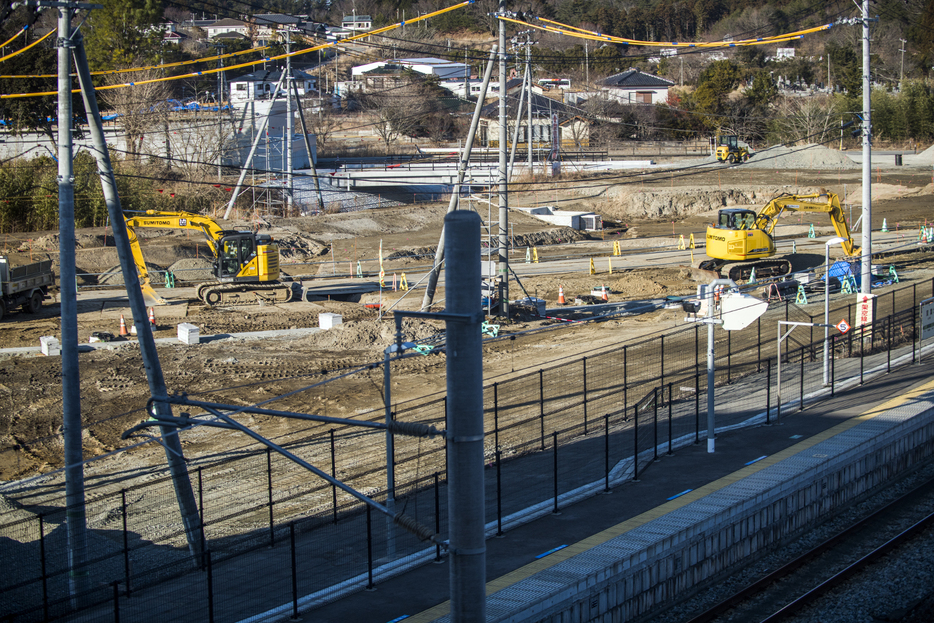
(599, 538)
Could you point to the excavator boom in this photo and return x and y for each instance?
(246, 265)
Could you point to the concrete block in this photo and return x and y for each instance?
(328, 320)
(189, 334)
(49, 345)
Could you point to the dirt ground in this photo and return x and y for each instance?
(237, 371)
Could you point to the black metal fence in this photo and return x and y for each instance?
(277, 537)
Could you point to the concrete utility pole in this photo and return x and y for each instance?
(184, 495)
(866, 258)
(503, 264)
(432, 283)
(901, 71)
(465, 419)
(311, 160)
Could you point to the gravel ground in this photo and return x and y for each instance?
(891, 587)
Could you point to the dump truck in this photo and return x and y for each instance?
(25, 286)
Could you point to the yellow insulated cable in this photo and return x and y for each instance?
(21, 50)
(207, 72)
(10, 40)
(108, 72)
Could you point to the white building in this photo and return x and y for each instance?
(259, 85)
(225, 26)
(357, 23)
(635, 87)
(445, 70)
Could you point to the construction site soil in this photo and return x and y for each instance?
(647, 211)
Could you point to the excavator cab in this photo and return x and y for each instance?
(245, 257)
(736, 219)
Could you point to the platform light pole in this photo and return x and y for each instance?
(836, 240)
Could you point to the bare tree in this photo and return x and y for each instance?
(321, 119)
(811, 119)
(396, 112)
(142, 107)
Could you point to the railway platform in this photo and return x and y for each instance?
(688, 516)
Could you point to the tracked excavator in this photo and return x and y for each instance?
(246, 265)
(742, 240)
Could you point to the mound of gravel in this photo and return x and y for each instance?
(367, 335)
(804, 157)
(193, 270)
(926, 157)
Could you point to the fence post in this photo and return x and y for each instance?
(801, 384)
(369, 549)
(625, 379)
(768, 390)
(655, 420)
(126, 543)
(294, 570)
(862, 351)
(554, 437)
(729, 356)
(499, 494)
(116, 597)
(496, 415)
(833, 358)
(333, 475)
(201, 511)
(635, 437)
(888, 345)
(758, 344)
(669, 419)
(541, 405)
(914, 319)
(606, 452)
(272, 532)
(438, 511)
(696, 407)
(43, 568)
(661, 381)
(584, 361)
(210, 569)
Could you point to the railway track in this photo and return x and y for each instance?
(803, 581)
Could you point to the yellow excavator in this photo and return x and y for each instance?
(246, 265)
(742, 240)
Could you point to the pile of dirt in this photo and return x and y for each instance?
(562, 235)
(367, 335)
(628, 202)
(297, 247)
(810, 156)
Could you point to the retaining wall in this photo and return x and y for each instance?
(632, 575)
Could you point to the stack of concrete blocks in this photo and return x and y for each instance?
(188, 334)
(328, 320)
(49, 345)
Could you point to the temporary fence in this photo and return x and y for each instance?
(276, 539)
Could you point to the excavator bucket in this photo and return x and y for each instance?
(150, 297)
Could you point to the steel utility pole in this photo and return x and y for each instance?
(220, 127)
(288, 123)
(503, 264)
(75, 512)
(901, 71)
(866, 257)
(184, 495)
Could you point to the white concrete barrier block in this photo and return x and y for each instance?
(189, 334)
(49, 345)
(328, 320)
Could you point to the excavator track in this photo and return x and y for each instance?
(244, 293)
(741, 271)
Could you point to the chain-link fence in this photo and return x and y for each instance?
(276, 536)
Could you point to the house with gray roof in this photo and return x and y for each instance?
(636, 87)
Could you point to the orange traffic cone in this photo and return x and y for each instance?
(561, 300)
(152, 317)
(604, 296)
(123, 330)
